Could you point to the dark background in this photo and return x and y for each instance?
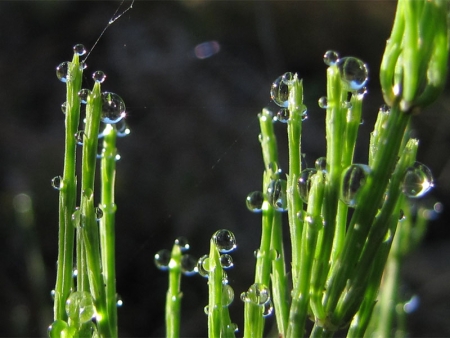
(193, 153)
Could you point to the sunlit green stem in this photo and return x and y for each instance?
(107, 223)
(68, 193)
(174, 295)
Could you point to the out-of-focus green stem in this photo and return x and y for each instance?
(107, 223)
(68, 193)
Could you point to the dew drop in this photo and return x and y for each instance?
(412, 304)
(83, 95)
(74, 272)
(227, 295)
(183, 243)
(282, 115)
(80, 306)
(98, 213)
(257, 294)
(62, 71)
(330, 57)
(224, 278)
(401, 215)
(79, 136)
(232, 328)
(122, 129)
(354, 73)
(353, 179)
(188, 265)
(60, 328)
(64, 107)
(204, 272)
(224, 240)
(119, 301)
(304, 183)
(113, 108)
(384, 108)
(268, 309)
(288, 78)
(79, 49)
(321, 163)
(418, 180)
(226, 261)
(57, 182)
(279, 92)
(255, 201)
(162, 259)
(99, 76)
(276, 193)
(52, 294)
(360, 93)
(76, 218)
(323, 102)
(206, 310)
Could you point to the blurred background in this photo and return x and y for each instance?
(194, 75)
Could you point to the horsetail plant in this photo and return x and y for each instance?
(85, 294)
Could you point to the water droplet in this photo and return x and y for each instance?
(76, 218)
(117, 157)
(80, 306)
(323, 102)
(188, 265)
(113, 108)
(227, 295)
(122, 129)
(360, 93)
(330, 57)
(276, 193)
(99, 76)
(255, 201)
(412, 305)
(79, 49)
(206, 310)
(83, 95)
(183, 243)
(74, 272)
(232, 328)
(321, 163)
(279, 92)
(119, 301)
(79, 136)
(257, 293)
(274, 254)
(60, 328)
(57, 182)
(304, 183)
(282, 115)
(98, 213)
(202, 267)
(226, 261)
(162, 259)
(53, 294)
(64, 107)
(268, 309)
(384, 108)
(224, 240)
(62, 71)
(224, 278)
(354, 73)
(353, 179)
(418, 180)
(288, 78)
(401, 215)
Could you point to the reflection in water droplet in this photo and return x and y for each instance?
(226, 261)
(353, 179)
(276, 193)
(183, 243)
(323, 102)
(99, 76)
(354, 73)
(279, 92)
(418, 180)
(80, 306)
(268, 309)
(288, 78)
(83, 95)
(188, 265)
(113, 108)
(330, 57)
(201, 266)
(224, 240)
(304, 183)
(62, 71)
(257, 294)
(321, 163)
(59, 328)
(206, 49)
(57, 182)
(79, 49)
(282, 115)
(255, 201)
(227, 295)
(162, 259)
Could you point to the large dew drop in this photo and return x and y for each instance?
(227, 295)
(162, 259)
(113, 108)
(418, 180)
(60, 328)
(99, 76)
(354, 73)
(330, 57)
(257, 294)
(276, 193)
(62, 71)
(80, 306)
(188, 265)
(255, 201)
(279, 92)
(304, 183)
(79, 49)
(224, 240)
(226, 261)
(353, 179)
(57, 182)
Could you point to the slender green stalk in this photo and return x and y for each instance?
(68, 194)
(215, 277)
(174, 295)
(107, 223)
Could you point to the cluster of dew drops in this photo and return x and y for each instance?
(113, 106)
(418, 178)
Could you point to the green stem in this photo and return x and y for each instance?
(174, 295)
(215, 277)
(68, 193)
(107, 223)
